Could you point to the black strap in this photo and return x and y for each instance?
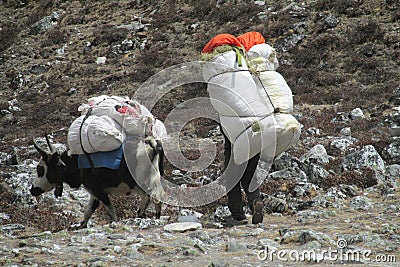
(276, 110)
(88, 113)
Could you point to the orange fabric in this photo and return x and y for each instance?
(221, 39)
(251, 38)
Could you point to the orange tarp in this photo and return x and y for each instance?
(251, 38)
(219, 40)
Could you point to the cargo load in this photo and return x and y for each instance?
(254, 101)
(106, 121)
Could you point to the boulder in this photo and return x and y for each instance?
(366, 157)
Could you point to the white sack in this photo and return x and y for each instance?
(245, 109)
(137, 121)
(159, 131)
(232, 89)
(274, 135)
(262, 57)
(277, 89)
(99, 133)
(288, 133)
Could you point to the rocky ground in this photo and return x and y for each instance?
(337, 188)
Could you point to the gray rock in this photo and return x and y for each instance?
(312, 245)
(394, 129)
(391, 153)
(356, 114)
(134, 253)
(101, 60)
(316, 155)
(393, 173)
(125, 47)
(187, 212)
(222, 213)
(286, 160)
(316, 214)
(234, 246)
(342, 144)
(38, 69)
(273, 204)
(289, 174)
(11, 228)
(189, 218)
(202, 236)
(345, 131)
(144, 223)
(361, 203)
(72, 91)
(348, 190)
(305, 236)
(331, 21)
(316, 174)
(3, 216)
(266, 242)
(365, 157)
(8, 159)
(134, 26)
(298, 191)
(328, 200)
(182, 227)
(45, 23)
(297, 11)
(395, 98)
(340, 117)
(313, 131)
(117, 249)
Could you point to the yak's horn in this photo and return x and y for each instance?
(52, 149)
(40, 150)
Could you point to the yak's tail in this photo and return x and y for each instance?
(157, 190)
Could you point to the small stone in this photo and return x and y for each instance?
(331, 21)
(134, 253)
(361, 203)
(222, 213)
(391, 153)
(317, 155)
(72, 91)
(345, 131)
(341, 144)
(234, 246)
(182, 227)
(101, 60)
(117, 249)
(266, 242)
(356, 114)
(189, 218)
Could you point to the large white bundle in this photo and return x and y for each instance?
(288, 131)
(262, 57)
(271, 135)
(98, 133)
(234, 94)
(159, 132)
(134, 118)
(232, 89)
(246, 103)
(277, 89)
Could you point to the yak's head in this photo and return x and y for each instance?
(49, 171)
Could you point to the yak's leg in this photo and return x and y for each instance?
(90, 209)
(157, 205)
(144, 203)
(109, 207)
